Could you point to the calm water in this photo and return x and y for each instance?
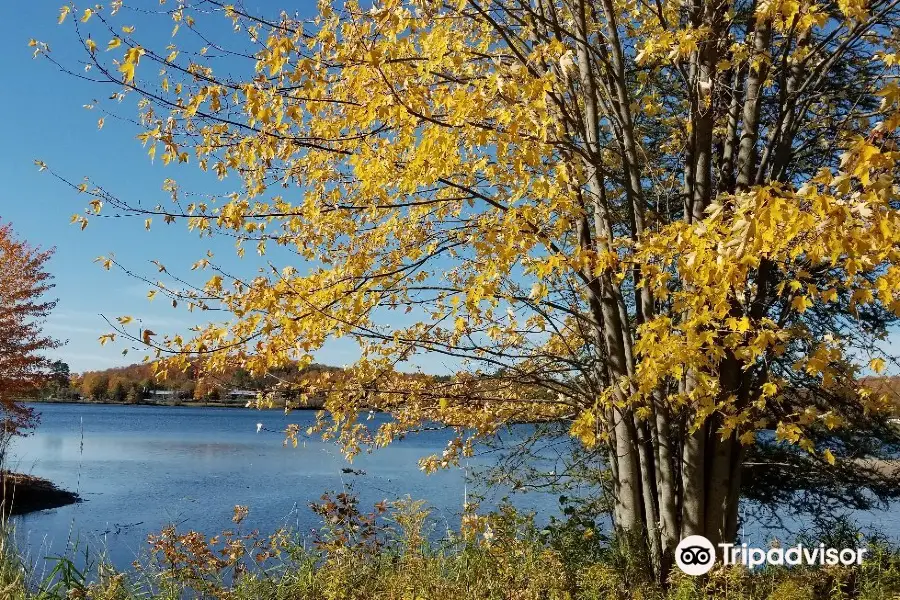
(140, 468)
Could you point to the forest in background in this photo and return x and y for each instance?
(136, 384)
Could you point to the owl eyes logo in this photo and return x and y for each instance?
(695, 555)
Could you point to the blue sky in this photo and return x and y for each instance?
(45, 119)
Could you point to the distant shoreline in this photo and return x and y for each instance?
(164, 403)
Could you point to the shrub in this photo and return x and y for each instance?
(389, 553)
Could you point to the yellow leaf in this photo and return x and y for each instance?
(832, 420)
(127, 70)
(800, 303)
(63, 13)
(91, 45)
(460, 325)
(877, 365)
(100, 122)
(113, 44)
(88, 13)
(125, 320)
(147, 223)
(828, 456)
(128, 29)
(105, 262)
(584, 428)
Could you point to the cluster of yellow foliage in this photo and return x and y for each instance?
(429, 158)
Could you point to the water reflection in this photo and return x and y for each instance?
(141, 468)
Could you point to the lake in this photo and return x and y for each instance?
(140, 468)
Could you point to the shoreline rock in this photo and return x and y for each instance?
(22, 494)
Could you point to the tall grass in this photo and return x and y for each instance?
(387, 553)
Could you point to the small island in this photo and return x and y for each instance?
(22, 494)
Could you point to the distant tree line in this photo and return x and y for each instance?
(137, 383)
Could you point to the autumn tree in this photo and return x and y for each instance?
(60, 373)
(59, 384)
(94, 385)
(117, 389)
(673, 224)
(24, 368)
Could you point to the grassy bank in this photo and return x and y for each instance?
(386, 554)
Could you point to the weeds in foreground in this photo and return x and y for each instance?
(387, 554)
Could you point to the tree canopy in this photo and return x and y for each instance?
(674, 224)
(24, 368)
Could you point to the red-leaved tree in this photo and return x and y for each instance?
(24, 368)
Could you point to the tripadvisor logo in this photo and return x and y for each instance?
(696, 555)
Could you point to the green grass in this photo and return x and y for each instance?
(386, 554)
